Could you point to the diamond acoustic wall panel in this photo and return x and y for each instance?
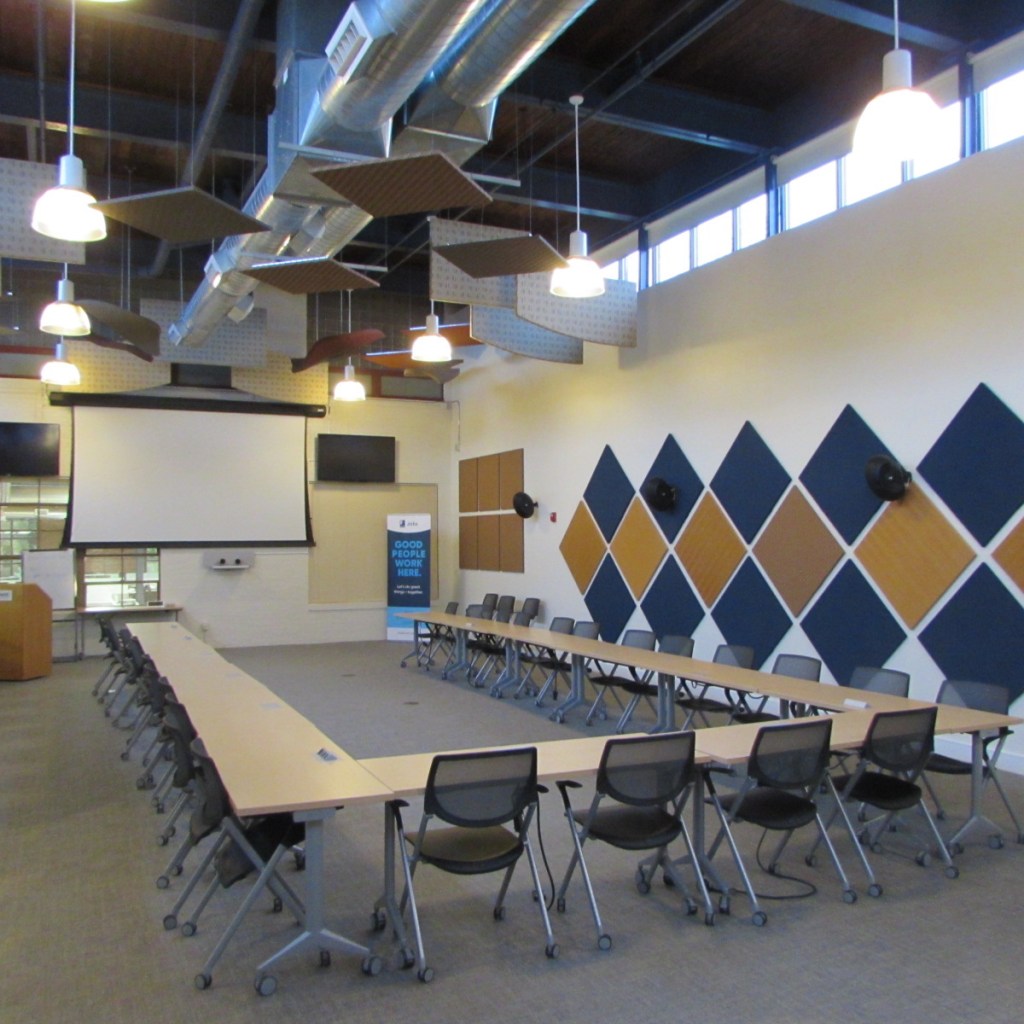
(608, 494)
(749, 613)
(638, 547)
(609, 601)
(672, 466)
(582, 547)
(670, 605)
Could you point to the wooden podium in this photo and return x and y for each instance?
(26, 632)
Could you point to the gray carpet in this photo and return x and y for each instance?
(82, 938)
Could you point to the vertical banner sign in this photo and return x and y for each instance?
(408, 571)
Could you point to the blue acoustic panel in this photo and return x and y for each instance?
(749, 482)
(609, 601)
(977, 464)
(849, 625)
(608, 494)
(670, 605)
(979, 634)
(674, 468)
(834, 476)
(749, 613)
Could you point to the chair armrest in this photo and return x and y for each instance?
(563, 786)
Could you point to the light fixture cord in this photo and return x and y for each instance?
(71, 86)
(576, 111)
(896, 23)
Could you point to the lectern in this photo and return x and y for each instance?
(26, 631)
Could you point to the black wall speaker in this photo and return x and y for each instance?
(523, 504)
(658, 493)
(886, 477)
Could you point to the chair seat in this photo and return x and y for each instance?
(631, 828)
(463, 851)
(702, 704)
(947, 765)
(625, 683)
(773, 808)
(749, 717)
(887, 792)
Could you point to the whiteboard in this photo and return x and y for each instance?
(54, 572)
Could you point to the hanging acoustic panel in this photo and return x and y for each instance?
(525, 254)
(448, 283)
(22, 182)
(503, 329)
(608, 319)
(309, 276)
(140, 331)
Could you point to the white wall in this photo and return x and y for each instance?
(899, 306)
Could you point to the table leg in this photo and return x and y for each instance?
(460, 660)
(510, 676)
(666, 703)
(975, 819)
(576, 682)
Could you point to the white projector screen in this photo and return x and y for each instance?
(148, 477)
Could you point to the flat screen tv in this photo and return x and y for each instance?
(29, 449)
(355, 458)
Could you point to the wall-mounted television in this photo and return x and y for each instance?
(355, 458)
(29, 449)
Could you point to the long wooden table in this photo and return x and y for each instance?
(272, 760)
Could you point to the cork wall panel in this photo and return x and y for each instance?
(489, 543)
(1010, 554)
(582, 547)
(468, 557)
(468, 485)
(638, 547)
(710, 549)
(510, 477)
(488, 487)
(510, 543)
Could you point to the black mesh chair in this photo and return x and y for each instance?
(530, 608)
(880, 680)
(507, 604)
(979, 697)
(646, 690)
(751, 707)
(895, 751)
(561, 668)
(608, 677)
(694, 698)
(116, 657)
(786, 770)
(488, 801)
(484, 650)
(537, 658)
(432, 640)
(643, 784)
(489, 602)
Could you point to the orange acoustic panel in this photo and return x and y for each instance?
(488, 478)
(468, 485)
(488, 543)
(468, 556)
(510, 477)
(510, 543)
(1010, 555)
(638, 547)
(797, 551)
(914, 555)
(710, 549)
(582, 547)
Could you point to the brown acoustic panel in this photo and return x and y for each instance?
(415, 184)
(308, 276)
(638, 547)
(582, 547)
(467, 485)
(523, 254)
(710, 549)
(1010, 555)
(797, 551)
(511, 543)
(488, 542)
(488, 483)
(510, 477)
(914, 554)
(181, 215)
(142, 332)
(468, 539)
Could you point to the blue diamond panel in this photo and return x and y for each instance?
(609, 601)
(980, 634)
(670, 605)
(977, 464)
(849, 625)
(834, 476)
(674, 467)
(749, 613)
(749, 482)
(608, 494)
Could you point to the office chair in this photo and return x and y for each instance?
(643, 783)
(586, 630)
(536, 657)
(431, 639)
(530, 608)
(786, 770)
(489, 601)
(497, 658)
(116, 657)
(506, 603)
(647, 690)
(750, 707)
(895, 751)
(610, 677)
(979, 697)
(484, 649)
(692, 697)
(880, 680)
(488, 801)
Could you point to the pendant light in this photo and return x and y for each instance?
(64, 316)
(58, 370)
(431, 346)
(582, 278)
(900, 121)
(66, 211)
(348, 389)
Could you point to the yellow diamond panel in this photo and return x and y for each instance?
(797, 551)
(582, 547)
(638, 547)
(914, 555)
(710, 549)
(1010, 554)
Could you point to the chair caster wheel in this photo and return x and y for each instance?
(810, 860)
(874, 889)
(163, 882)
(691, 908)
(923, 859)
(955, 849)
(408, 959)
(560, 906)
(124, 755)
(604, 942)
(265, 984)
(170, 923)
(952, 871)
(176, 870)
(300, 861)
(760, 919)
(139, 783)
(161, 840)
(499, 913)
(325, 958)
(849, 896)
(995, 842)
(204, 981)
(643, 886)
(551, 952)
(277, 906)
(426, 975)
(372, 966)
(724, 906)
(709, 918)
(379, 921)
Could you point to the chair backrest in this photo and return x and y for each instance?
(880, 680)
(481, 789)
(490, 600)
(522, 618)
(587, 630)
(798, 666)
(675, 643)
(643, 639)
(136, 654)
(451, 608)
(901, 741)
(500, 615)
(531, 607)
(179, 725)
(212, 804)
(479, 611)
(647, 771)
(506, 603)
(965, 693)
(561, 624)
(791, 756)
(734, 654)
